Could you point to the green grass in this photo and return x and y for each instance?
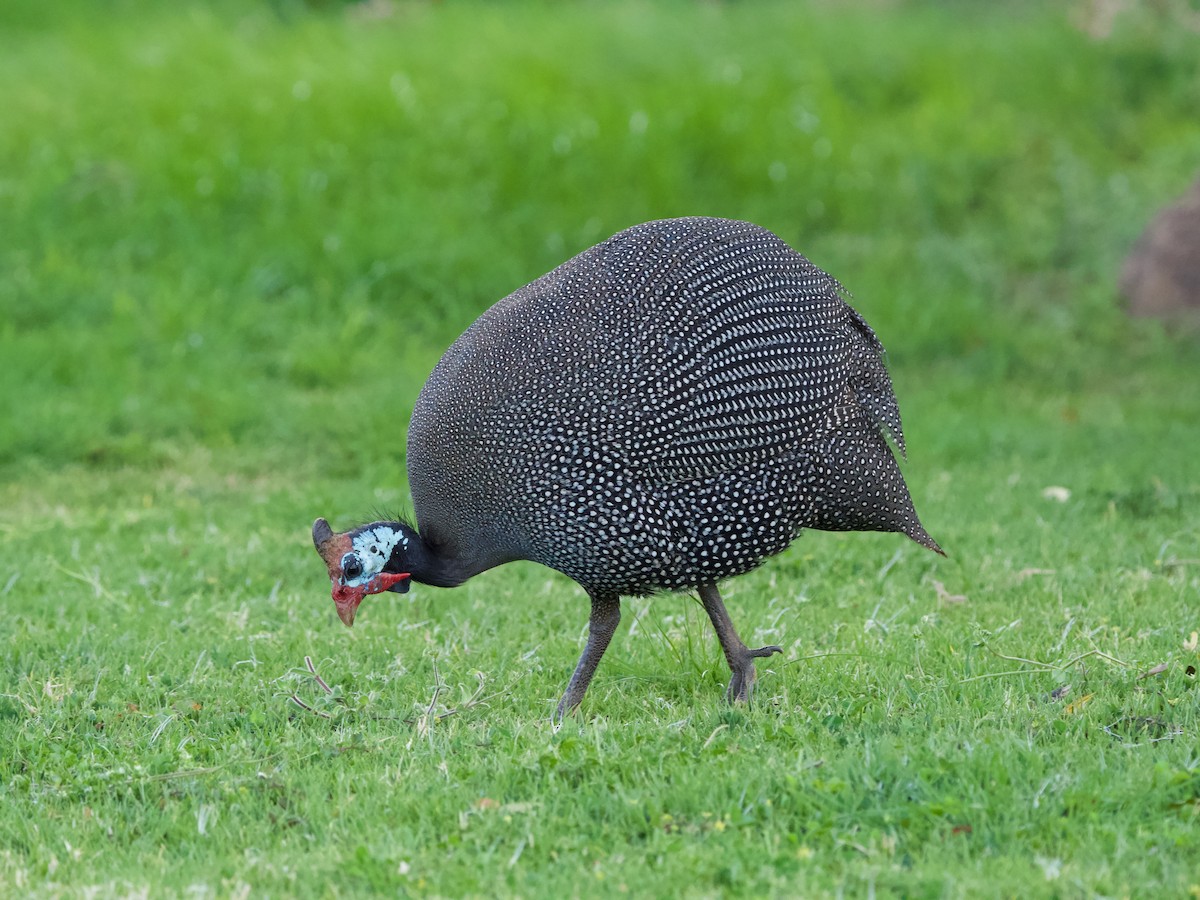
(234, 243)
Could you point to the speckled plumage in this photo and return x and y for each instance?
(666, 409)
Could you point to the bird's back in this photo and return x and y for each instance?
(667, 408)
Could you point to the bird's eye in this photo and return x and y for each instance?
(351, 566)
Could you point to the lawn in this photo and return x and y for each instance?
(235, 238)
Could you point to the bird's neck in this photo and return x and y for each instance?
(431, 563)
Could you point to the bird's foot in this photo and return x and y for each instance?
(741, 685)
(564, 708)
(769, 650)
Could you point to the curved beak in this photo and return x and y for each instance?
(346, 611)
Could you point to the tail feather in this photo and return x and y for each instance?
(872, 385)
(918, 533)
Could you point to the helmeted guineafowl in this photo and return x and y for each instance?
(667, 409)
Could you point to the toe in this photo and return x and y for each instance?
(741, 684)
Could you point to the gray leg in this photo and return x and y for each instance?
(738, 655)
(606, 615)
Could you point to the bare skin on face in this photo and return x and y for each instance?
(355, 567)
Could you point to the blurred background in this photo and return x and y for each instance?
(253, 228)
(235, 237)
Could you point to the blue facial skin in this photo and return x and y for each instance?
(372, 549)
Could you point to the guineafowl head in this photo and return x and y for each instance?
(366, 560)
